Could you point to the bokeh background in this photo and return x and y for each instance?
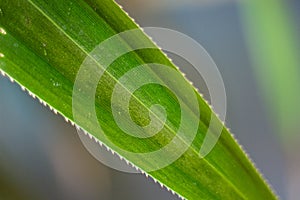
(256, 46)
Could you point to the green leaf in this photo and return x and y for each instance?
(43, 45)
(271, 38)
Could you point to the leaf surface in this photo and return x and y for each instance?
(43, 44)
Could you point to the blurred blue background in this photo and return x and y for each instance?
(42, 157)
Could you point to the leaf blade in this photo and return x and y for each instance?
(223, 183)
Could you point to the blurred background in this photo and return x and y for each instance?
(256, 46)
